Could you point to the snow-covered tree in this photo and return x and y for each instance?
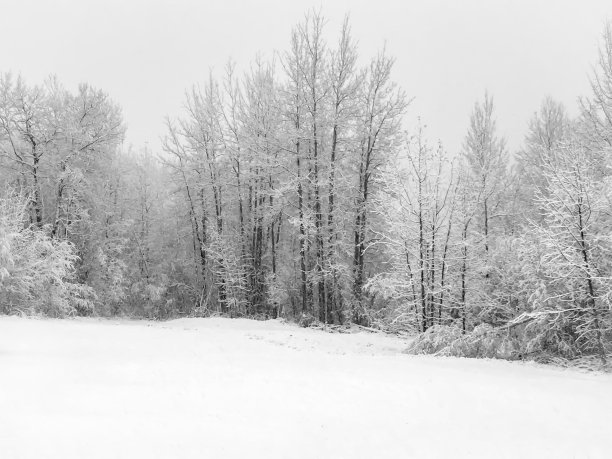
(485, 181)
(597, 108)
(36, 270)
(418, 204)
(381, 106)
(573, 309)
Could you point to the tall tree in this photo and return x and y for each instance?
(486, 159)
(418, 202)
(597, 109)
(547, 130)
(343, 89)
(573, 314)
(381, 106)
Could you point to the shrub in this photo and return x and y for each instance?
(483, 341)
(35, 269)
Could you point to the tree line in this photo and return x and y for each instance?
(294, 189)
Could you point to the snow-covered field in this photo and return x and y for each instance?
(216, 388)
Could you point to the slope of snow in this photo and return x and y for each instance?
(217, 388)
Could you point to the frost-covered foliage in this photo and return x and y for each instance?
(417, 206)
(230, 277)
(292, 190)
(571, 309)
(435, 339)
(482, 342)
(549, 288)
(36, 270)
(530, 271)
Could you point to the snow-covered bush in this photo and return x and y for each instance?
(435, 339)
(36, 269)
(306, 320)
(483, 342)
(109, 279)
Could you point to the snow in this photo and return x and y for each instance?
(221, 388)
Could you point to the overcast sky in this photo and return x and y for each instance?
(145, 53)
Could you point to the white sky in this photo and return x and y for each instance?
(146, 53)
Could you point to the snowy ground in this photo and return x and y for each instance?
(216, 388)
